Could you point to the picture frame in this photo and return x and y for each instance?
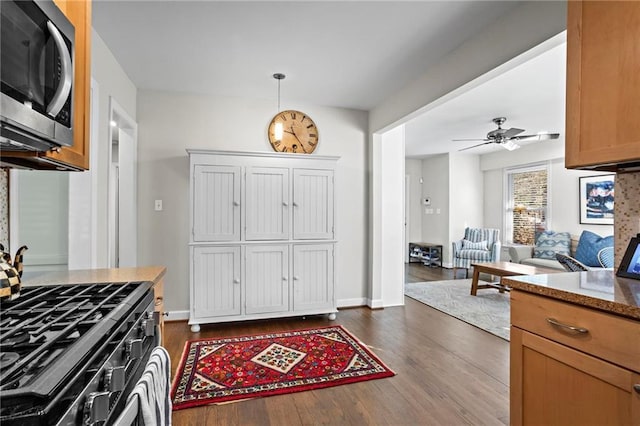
(596, 194)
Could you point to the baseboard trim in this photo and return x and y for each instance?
(375, 304)
(350, 303)
(177, 316)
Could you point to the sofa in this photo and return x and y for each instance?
(584, 248)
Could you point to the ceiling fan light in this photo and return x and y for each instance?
(510, 145)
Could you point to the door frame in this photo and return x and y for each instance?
(124, 122)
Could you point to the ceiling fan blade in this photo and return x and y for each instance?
(537, 137)
(480, 144)
(470, 140)
(512, 132)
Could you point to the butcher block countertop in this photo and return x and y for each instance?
(147, 273)
(599, 289)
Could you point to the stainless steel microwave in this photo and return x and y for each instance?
(36, 71)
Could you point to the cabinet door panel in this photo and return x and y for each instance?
(216, 212)
(562, 386)
(603, 83)
(312, 204)
(313, 277)
(267, 279)
(267, 203)
(216, 281)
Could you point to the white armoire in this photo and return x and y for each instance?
(262, 239)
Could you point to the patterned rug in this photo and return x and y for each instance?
(233, 368)
(489, 310)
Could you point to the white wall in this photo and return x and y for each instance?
(168, 123)
(466, 194)
(436, 186)
(413, 169)
(112, 82)
(392, 178)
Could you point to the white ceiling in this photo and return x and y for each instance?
(351, 54)
(531, 96)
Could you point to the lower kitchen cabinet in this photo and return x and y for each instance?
(585, 375)
(257, 281)
(215, 286)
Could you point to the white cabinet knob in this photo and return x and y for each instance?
(235, 203)
(296, 277)
(295, 204)
(284, 278)
(284, 203)
(236, 281)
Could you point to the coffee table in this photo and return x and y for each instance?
(503, 269)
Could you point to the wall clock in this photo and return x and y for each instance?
(299, 132)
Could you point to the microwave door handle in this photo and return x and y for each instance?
(64, 88)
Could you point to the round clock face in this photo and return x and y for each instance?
(299, 132)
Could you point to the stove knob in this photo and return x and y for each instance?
(114, 379)
(96, 408)
(148, 327)
(133, 348)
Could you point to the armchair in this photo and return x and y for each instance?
(477, 245)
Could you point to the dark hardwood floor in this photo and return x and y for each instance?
(416, 272)
(447, 372)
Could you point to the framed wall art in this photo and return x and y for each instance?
(596, 199)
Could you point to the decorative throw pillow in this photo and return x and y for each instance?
(470, 245)
(589, 246)
(549, 243)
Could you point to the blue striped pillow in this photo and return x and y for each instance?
(470, 245)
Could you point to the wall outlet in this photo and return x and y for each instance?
(158, 205)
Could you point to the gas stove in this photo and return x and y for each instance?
(70, 354)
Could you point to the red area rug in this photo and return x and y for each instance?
(233, 368)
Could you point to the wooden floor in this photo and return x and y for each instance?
(447, 372)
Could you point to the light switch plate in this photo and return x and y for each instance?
(158, 205)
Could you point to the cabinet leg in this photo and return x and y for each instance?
(332, 316)
(195, 328)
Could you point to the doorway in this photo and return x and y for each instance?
(122, 211)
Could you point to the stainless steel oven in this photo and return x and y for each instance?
(72, 354)
(36, 73)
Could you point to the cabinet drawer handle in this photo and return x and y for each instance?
(573, 328)
(636, 387)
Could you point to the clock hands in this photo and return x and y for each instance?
(298, 139)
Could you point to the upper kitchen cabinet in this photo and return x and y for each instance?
(76, 156)
(603, 85)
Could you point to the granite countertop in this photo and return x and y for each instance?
(599, 289)
(147, 273)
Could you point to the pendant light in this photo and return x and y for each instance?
(279, 131)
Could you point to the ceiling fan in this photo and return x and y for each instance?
(507, 138)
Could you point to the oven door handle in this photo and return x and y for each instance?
(64, 88)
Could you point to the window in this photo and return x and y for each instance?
(526, 207)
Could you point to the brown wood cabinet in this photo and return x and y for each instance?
(603, 85)
(75, 157)
(564, 377)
